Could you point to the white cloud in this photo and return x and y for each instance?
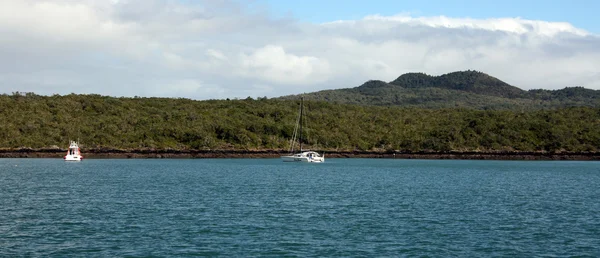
(220, 49)
(510, 25)
(272, 63)
(183, 87)
(216, 54)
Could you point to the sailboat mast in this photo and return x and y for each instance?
(301, 107)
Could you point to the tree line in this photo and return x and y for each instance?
(34, 121)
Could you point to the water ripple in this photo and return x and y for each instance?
(263, 207)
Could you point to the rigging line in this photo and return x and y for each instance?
(293, 140)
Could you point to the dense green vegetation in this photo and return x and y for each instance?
(468, 89)
(29, 120)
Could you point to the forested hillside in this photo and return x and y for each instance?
(467, 89)
(160, 123)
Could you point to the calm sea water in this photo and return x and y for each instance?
(264, 207)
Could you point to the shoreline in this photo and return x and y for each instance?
(193, 154)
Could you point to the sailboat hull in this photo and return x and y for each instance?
(310, 157)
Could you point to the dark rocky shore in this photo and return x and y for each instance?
(118, 154)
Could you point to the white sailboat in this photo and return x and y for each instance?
(302, 156)
(73, 154)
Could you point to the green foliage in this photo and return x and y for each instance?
(467, 89)
(162, 123)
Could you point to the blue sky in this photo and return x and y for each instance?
(580, 13)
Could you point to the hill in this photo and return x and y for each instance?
(465, 89)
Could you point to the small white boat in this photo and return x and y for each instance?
(307, 156)
(73, 154)
(303, 156)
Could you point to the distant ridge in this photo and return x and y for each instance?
(465, 89)
(469, 81)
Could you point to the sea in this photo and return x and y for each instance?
(268, 208)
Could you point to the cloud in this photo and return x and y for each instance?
(224, 49)
(272, 63)
(509, 25)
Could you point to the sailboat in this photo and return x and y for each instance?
(302, 156)
(73, 153)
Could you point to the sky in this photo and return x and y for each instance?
(580, 13)
(216, 49)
